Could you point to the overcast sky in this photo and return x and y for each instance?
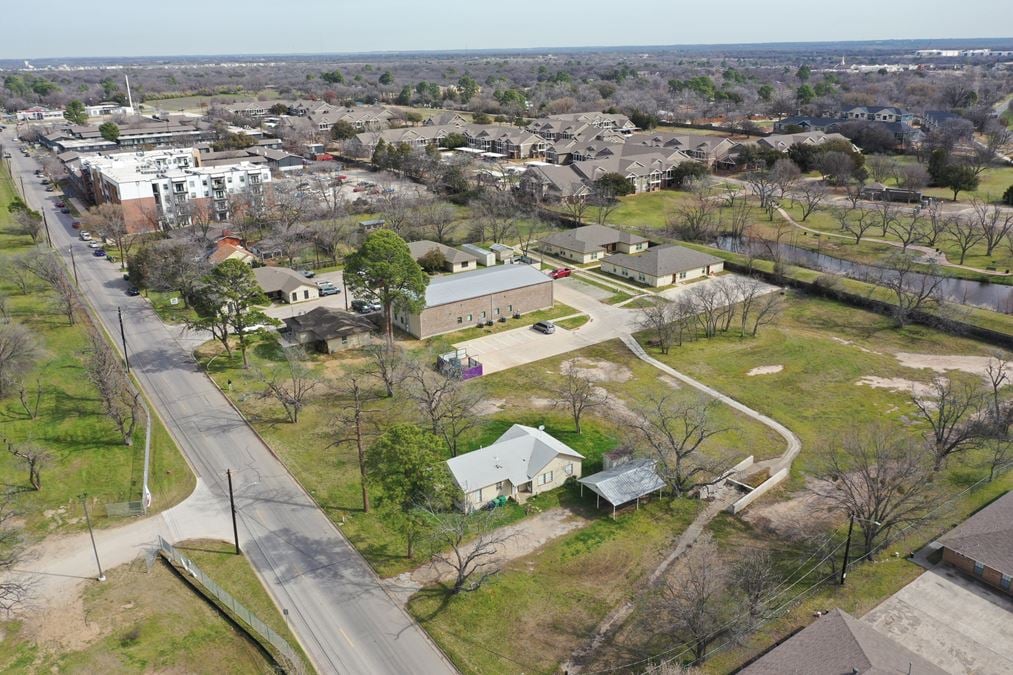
(103, 28)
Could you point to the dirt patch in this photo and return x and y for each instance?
(541, 403)
(975, 365)
(670, 381)
(490, 406)
(852, 344)
(598, 370)
(804, 511)
(63, 627)
(765, 370)
(898, 384)
(524, 537)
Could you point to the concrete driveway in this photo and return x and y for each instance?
(500, 351)
(951, 620)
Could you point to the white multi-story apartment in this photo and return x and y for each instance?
(164, 189)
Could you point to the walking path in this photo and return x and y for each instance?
(726, 496)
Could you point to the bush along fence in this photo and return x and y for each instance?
(273, 643)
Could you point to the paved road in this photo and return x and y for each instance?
(344, 619)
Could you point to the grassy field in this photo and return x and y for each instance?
(550, 601)
(825, 348)
(142, 621)
(198, 103)
(994, 181)
(87, 455)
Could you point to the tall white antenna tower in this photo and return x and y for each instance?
(130, 99)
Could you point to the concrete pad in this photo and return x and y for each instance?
(951, 620)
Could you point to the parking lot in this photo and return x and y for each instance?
(951, 620)
(359, 184)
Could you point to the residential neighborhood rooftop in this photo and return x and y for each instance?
(987, 536)
(663, 260)
(457, 287)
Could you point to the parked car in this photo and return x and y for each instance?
(560, 272)
(309, 274)
(329, 290)
(59, 204)
(50, 189)
(44, 181)
(133, 290)
(365, 306)
(99, 253)
(324, 282)
(85, 235)
(546, 327)
(93, 244)
(64, 210)
(76, 224)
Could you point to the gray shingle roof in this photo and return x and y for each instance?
(663, 260)
(838, 643)
(452, 255)
(987, 536)
(626, 482)
(466, 285)
(518, 455)
(274, 279)
(590, 238)
(327, 323)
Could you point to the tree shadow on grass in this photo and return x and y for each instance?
(440, 592)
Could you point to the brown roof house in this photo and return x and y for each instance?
(662, 265)
(285, 285)
(591, 242)
(982, 546)
(329, 330)
(454, 260)
(840, 644)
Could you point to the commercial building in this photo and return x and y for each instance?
(463, 300)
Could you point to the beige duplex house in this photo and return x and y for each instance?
(454, 260)
(285, 285)
(523, 462)
(662, 265)
(591, 242)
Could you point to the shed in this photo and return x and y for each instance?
(486, 258)
(503, 252)
(624, 483)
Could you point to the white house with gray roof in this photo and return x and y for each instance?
(523, 462)
(662, 265)
(454, 260)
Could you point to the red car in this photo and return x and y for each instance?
(76, 224)
(560, 272)
(58, 205)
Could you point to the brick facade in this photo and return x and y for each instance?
(987, 575)
(468, 313)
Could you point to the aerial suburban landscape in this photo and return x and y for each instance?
(406, 341)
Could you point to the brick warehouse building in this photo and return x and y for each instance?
(982, 546)
(464, 300)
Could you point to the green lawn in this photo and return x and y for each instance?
(994, 181)
(816, 394)
(573, 323)
(442, 342)
(87, 455)
(550, 601)
(140, 621)
(233, 573)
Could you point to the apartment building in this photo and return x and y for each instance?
(165, 189)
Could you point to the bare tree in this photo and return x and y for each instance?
(14, 591)
(710, 306)
(747, 293)
(756, 577)
(467, 545)
(578, 393)
(736, 217)
(913, 176)
(575, 207)
(880, 478)
(291, 383)
(855, 222)
(673, 432)
(998, 375)
(965, 233)
(108, 221)
(953, 412)
(352, 424)
(120, 402)
(35, 458)
(785, 174)
(909, 230)
(31, 407)
(667, 320)
(694, 602)
(836, 167)
(853, 191)
(447, 404)
(763, 185)
(19, 352)
(16, 270)
(810, 195)
(993, 222)
(497, 212)
(696, 218)
(912, 289)
(28, 223)
(388, 363)
(886, 213)
(881, 167)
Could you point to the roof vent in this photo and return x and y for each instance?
(541, 427)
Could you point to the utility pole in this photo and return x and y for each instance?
(232, 504)
(123, 338)
(45, 222)
(73, 263)
(91, 533)
(847, 548)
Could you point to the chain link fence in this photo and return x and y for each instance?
(276, 644)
